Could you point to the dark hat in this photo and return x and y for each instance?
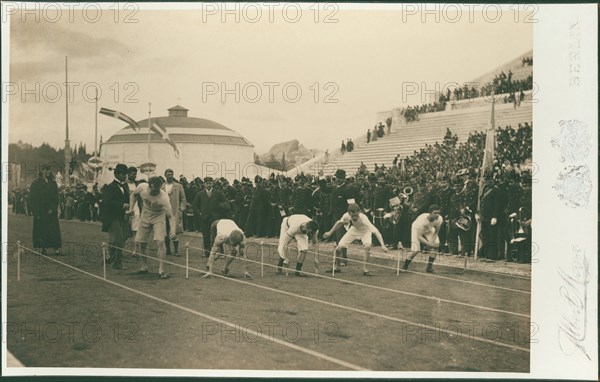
(257, 179)
(340, 173)
(208, 179)
(120, 169)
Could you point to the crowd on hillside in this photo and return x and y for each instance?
(502, 83)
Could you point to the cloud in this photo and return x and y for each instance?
(38, 49)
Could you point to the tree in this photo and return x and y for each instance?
(272, 163)
(283, 165)
(257, 159)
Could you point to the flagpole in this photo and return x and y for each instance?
(481, 173)
(67, 143)
(96, 154)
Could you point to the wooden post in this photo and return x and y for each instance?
(187, 260)
(104, 259)
(262, 259)
(19, 249)
(333, 265)
(400, 252)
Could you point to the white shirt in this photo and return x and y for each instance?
(168, 187)
(224, 229)
(362, 224)
(293, 224)
(423, 227)
(157, 207)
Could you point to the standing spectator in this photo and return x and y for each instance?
(206, 207)
(44, 206)
(178, 205)
(350, 145)
(343, 147)
(69, 201)
(116, 201)
(489, 214)
(388, 123)
(302, 197)
(368, 135)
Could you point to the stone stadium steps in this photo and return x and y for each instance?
(429, 129)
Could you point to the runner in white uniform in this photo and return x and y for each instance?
(226, 232)
(157, 208)
(301, 228)
(134, 219)
(424, 236)
(361, 229)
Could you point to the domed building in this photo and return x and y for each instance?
(205, 148)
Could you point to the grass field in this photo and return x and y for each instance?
(59, 316)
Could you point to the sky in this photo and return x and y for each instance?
(318, 77)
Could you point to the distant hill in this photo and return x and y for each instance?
(295, 153)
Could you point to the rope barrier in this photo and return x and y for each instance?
(215, 319)
(445, 265)
(414, 272)
(382, 316)
(437, 299)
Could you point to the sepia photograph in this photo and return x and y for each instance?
(293, 189)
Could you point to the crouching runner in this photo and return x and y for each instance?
(424, 236)
(226, 232)
(361, 229)
(302, 229)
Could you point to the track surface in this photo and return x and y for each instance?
(59, 317)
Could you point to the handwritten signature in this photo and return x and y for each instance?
(572, 328)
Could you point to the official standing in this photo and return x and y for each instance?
(115, 198)
(207, 207)
(44, 206)
(489, 214)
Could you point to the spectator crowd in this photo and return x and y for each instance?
(445, 174)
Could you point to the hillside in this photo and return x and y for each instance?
(295, 153)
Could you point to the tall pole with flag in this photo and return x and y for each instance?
(67, 142)
(96, 154)
(488, 160)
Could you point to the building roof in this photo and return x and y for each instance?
(181, 129)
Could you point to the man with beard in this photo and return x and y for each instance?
(207, 207)
(44, 206)
(341, 197)
(178, 204)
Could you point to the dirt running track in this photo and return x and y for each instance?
(61, 317)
